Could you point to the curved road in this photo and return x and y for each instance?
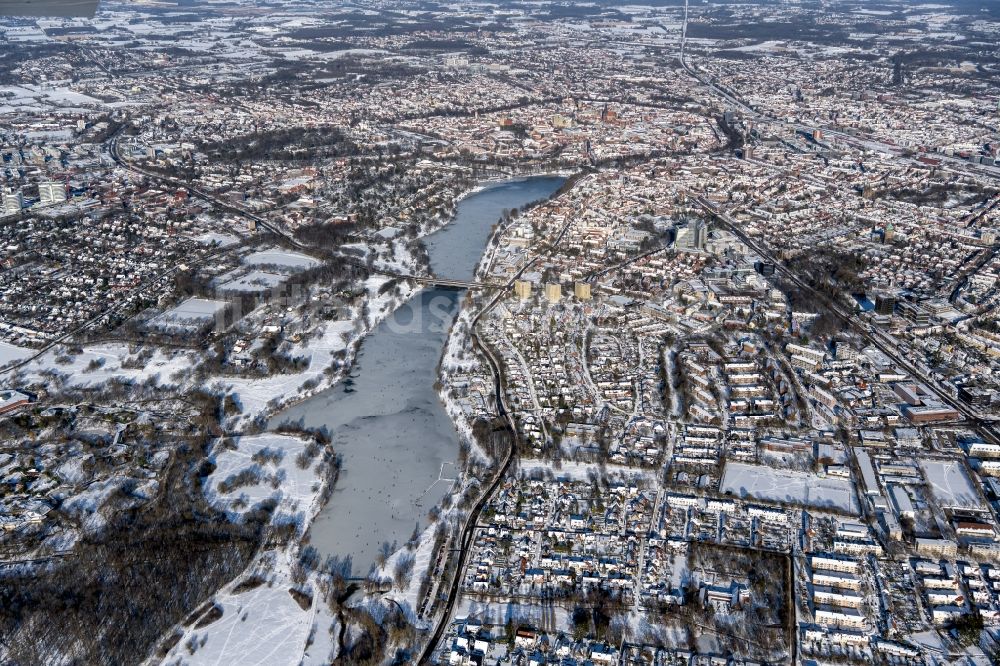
(469, 528)
(232, 208)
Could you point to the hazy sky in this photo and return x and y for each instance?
(64, 8)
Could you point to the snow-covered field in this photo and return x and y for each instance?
(41, 97)
(100, 362)
(786, 485)
(283, 258)
(223, 240)
(497, 614)
(189, 315)
(296, 489)
(582, 471)
(11, 354)
(255, 281)
(949, 483)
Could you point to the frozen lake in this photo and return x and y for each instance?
(386, 422)
(456, 249)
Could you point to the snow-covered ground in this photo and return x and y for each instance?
(495, 613)
(41, 98)
(398, 259)
(457, 358)
(786, 485)
(262, 626)
(101, 362)
(949, 483)
(273, 459)
(283, 258)
(255, 281)
(419, 561)
(11, 354)
(262, 623)
(189, 315)
(85, 506)
(223, 240)
(581, 471)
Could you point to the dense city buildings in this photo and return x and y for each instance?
(525, 333)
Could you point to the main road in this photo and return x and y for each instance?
(260, 221)
(115, 153)
(149, 283)
(858, 142)
(983, 424)
(154, 281)
(884, 342)
(472, 518)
